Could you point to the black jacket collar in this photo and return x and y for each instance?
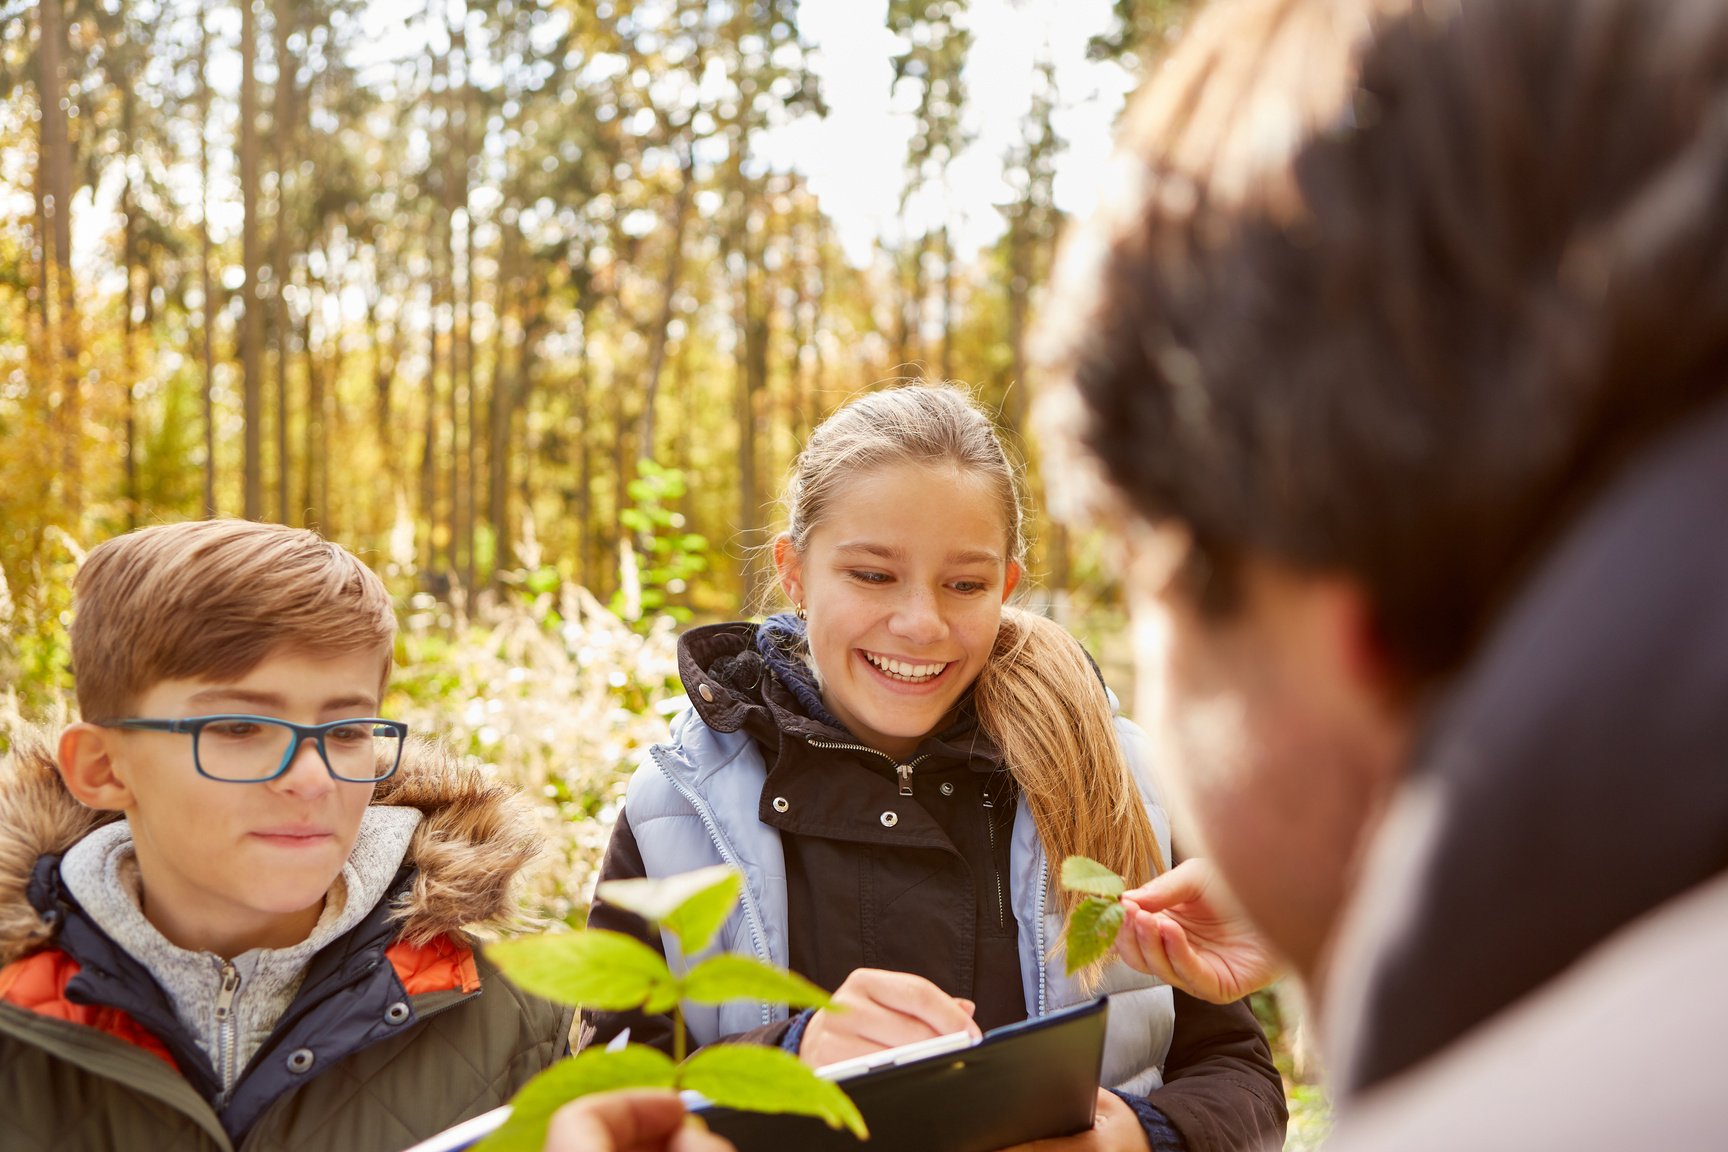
(733, 688)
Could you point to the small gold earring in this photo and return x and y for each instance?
(799, 609)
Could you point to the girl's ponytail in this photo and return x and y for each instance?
(1041, 700)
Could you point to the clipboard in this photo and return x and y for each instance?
(1026, 1081)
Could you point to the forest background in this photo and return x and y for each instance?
(510, 299)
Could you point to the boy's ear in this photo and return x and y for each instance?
(87, 765)
(790, 570)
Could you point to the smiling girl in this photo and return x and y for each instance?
(896, 765)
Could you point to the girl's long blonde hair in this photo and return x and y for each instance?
(1039, 697)
(1042, 701)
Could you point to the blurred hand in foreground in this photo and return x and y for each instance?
(632, 1121)
(1183, 928)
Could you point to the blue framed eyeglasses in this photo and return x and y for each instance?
(241, 749)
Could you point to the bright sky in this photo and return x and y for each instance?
(856, 157)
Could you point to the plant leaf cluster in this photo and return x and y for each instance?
(1096, 919)
(593, 968)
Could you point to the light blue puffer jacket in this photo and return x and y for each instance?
(693, 803)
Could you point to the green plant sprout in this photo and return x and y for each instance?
(592, 968)
(1093, 925)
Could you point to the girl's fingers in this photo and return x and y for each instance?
(934, 1012)
(880, 1009)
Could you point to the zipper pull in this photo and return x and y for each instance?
(905, 771)
(988, 803)
(225, 997)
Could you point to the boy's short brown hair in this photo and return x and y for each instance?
(210, 600)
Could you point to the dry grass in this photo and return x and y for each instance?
(559, 698)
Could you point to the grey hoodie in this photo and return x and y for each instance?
(231, 1006)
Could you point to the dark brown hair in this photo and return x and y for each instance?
(210, 600)
(1389, 289)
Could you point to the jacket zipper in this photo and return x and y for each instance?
(226, 1032)
(995, 872)
(758, 938)
(904, 771)
(1043, 890)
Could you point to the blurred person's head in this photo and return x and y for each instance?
(1381, 294)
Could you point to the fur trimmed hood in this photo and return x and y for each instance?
(475, 837)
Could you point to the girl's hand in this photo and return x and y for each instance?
(1181, 928)
(634, 1121)
(880, 1010)
(1114, 1129)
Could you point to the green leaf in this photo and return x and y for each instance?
(690, 905)
(1091, 931)
(730, 976)
(595, 1070)
(590, 968)
(662, 999)
(757, 1079)
(1083, 874)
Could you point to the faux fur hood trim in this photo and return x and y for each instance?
(475, 838)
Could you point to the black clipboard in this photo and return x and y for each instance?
(1026, 1081)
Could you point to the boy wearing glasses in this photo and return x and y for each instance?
(234, 912)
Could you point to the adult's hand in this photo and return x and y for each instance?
(1182, 928)
(630, 1121)
(1115, 1128)
(881, 1009)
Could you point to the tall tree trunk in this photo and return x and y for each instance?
(312, 429)
(687, 439)
(582, 408)
(56, 165)
(252, 326)
(333, 427)
(128, 326)
(623, 546)
(910, 337)
(803, 322)
(428, 511)
(499, 419)
(813, 405)
(471, 383)
(1019, 289)
(752, 372)
(947, 245)
(282, 263)
(461, 301)
(434, 509)
(204, 256)
(668, 290)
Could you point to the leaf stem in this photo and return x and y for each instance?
(678, 1041)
